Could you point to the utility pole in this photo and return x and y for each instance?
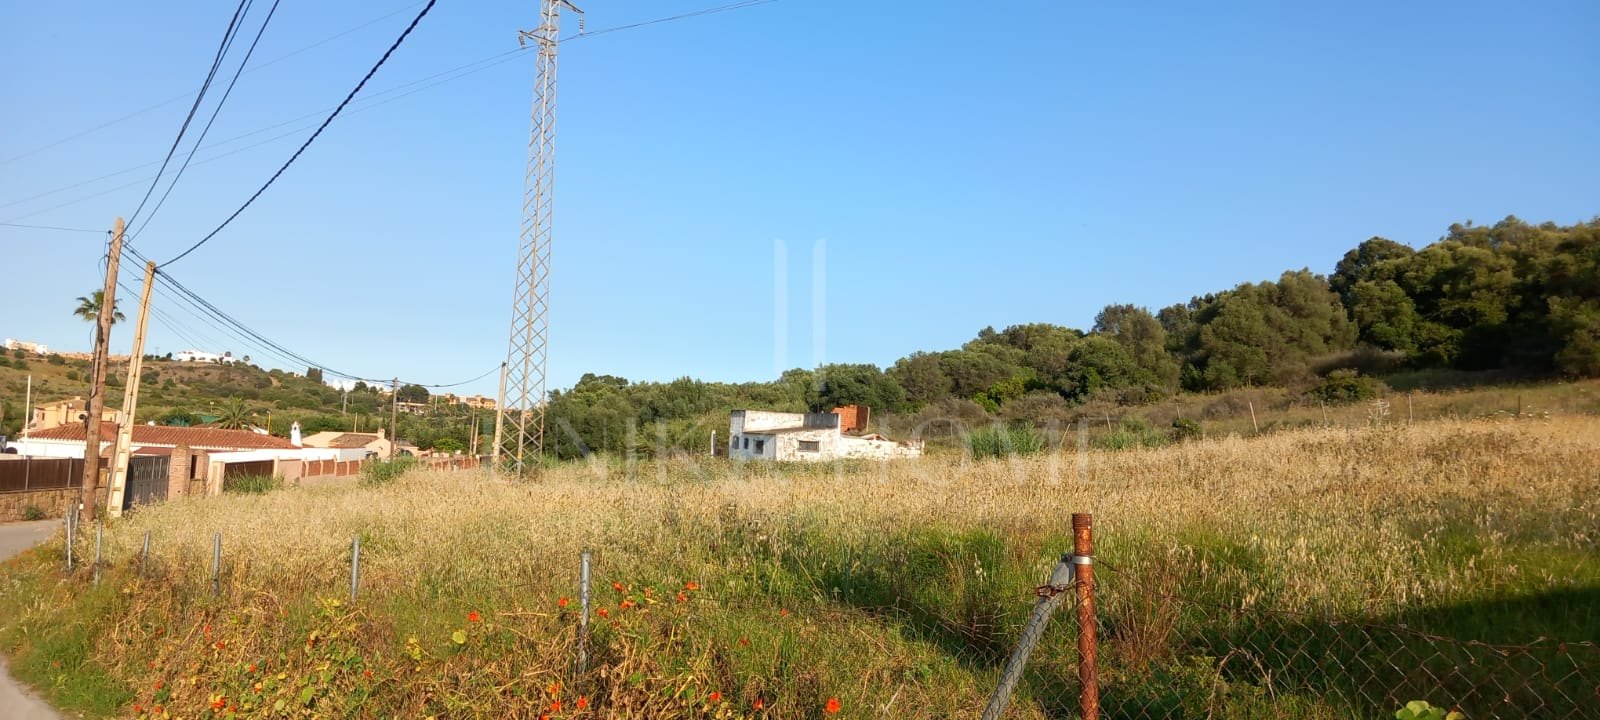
(394, 417)
(122, 451)
(89, 494)
(499, 421)
(527, 352)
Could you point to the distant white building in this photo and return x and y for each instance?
(806, 437)
(202, 356)
(25, 346)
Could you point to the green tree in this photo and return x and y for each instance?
(411, 393)
(89, 311)
(1145, 339)
(855, 384)
(234, 414)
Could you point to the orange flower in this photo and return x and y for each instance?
(160, 684)
(157, 710)
(744, 642)
(715, 696)
(554, 688)
(250, 668)
(682, 597)
(760, 704)
(367, 673)
(561, 603)
(136, 708)
(602, 612)
(832, 706)
(691, 586)
(625, 604)
(617, 586)
(219, 703)
(207, 630)
(783, 612)
(555, 705)
(583, 702)
(474, 617)
(220, 645)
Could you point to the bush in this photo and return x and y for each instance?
(382, 472)
(1185, 429)
(1346, 386)
(1016, 440)
(251, 484)
(72, 374)
(55, 359)
(32, 512)
(1130, 434)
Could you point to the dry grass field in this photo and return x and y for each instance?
(876, 590)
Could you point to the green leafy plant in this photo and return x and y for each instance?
(32, 512)
(1421, 710)
(251, 484)
(382, 472)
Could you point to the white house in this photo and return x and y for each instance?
(762, 435)
(25, 346)
(202, 356)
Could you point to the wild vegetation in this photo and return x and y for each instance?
(876, 590)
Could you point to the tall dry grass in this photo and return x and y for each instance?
(895, 587)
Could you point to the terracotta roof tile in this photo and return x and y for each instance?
(196, 438)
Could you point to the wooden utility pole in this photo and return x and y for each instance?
(394, 417)
(123, 449)
(90, 494)
(499, 420)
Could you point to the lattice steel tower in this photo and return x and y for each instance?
(519, 426)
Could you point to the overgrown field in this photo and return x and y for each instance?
(728, 590)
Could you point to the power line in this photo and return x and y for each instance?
(209, 121)
(181, 96)
(222, 50)
(51, 227)
(314, 135)
(371, 101)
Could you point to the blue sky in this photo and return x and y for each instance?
(954, 169)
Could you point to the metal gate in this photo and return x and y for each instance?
(147, 481)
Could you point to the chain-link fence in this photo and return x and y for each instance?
(1167, 651)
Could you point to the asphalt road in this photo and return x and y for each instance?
(16, 701)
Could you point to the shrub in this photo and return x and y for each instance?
(32, 512)
(1185, 429)
(72, 374)
(449, 445)
(1132, 433)
(1346, 386)
(252, 484)
(383, 472)
(55, 359)
(1016, 440)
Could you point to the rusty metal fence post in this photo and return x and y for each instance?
(1074, 571)
(1088, 637)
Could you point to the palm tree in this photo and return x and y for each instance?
(89, 310)
(234, 415)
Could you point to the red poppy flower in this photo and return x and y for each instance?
(602, 612)
(219, 703)
(220, 645)
(617, 586)
(583, 702)
(691, 586)
(136, 708)
(555, 705)
(160, 684)
(832, 706)
(714, 696)
(367, 673)
(474, 617)
(783, 612)
(625, 604)
(744, 642)
(760, 704)
(682, 597)
(157, 710)
(250, 668)
(561, 603)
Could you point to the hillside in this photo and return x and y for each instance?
(191, 393)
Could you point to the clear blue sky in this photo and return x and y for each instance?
(1029, 163)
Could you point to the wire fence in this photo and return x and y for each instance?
(1097, 640)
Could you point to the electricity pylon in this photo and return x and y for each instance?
(522, 400)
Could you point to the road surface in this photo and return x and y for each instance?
(16, 701)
